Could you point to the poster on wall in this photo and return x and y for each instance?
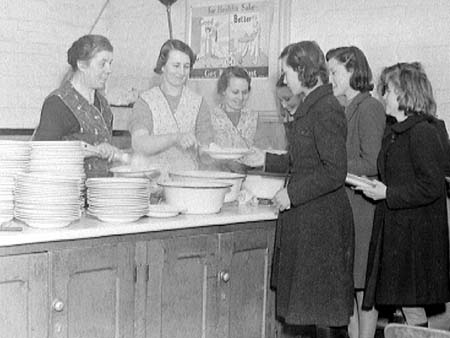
(235, 34)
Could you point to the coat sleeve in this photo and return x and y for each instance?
(330, 132)
(428, 183)
(371, 126)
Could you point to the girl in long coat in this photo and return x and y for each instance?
(313, 273)
(408, 258)
(351, 77)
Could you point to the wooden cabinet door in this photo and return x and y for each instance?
(24, 296)
(93, 292)
(245, 299)
(181, 287)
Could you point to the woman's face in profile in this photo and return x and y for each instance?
(98, 69)
(177, 68)
(291, 78)
(339, 77)
(236, 95)
(390, 98)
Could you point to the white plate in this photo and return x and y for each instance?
(47, 224)
(163, 211)
(359, 181)
(220, 153)
(128, 171)
(225, 156)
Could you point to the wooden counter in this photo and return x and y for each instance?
(188, 276)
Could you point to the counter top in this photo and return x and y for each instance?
(90, 227)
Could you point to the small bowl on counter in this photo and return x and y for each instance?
(264, 185)
(235, 179)
(205, 197)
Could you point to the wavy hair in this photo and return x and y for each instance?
(355, 62)
(414, 90)
(307, 59)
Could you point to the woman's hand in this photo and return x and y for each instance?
(106, 151)
(375, 192)
(254, 159)
(187, 140)
(281, 200)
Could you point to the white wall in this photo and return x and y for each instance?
(34, 38)
(35, 35)
(388, 31)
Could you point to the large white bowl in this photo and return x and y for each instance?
(263, 185)
(195, 197)
(208, 175)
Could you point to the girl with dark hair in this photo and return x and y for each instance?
(351, 78)
(408, 263)
(169, 121)
(313, 262)
(77, 110)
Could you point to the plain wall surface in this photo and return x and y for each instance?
(35, 35)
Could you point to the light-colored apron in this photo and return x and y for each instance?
(165, 121)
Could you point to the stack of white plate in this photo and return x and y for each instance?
(6, 198)
(45, 201)
(118, 199)
(58, 158)
(14, 157)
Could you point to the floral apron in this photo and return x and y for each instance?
(165, 121)
(95, 125)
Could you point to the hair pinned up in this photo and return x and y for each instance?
(168, 46)
(86, 47)
(227, 74)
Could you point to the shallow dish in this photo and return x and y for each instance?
(220, 153)
(128, 171)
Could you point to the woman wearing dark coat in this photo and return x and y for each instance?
(313, 273)
(408, 263)
(351, 77)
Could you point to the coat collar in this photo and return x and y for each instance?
(312, 98)
(353, 106)
(411, 121)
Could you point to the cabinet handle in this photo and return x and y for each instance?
(224, 276)
(58, 305)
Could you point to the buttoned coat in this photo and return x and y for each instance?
(366, 122)
(408, 257)
(313, 272)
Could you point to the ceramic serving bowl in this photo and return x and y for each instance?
(195, 197)
(207, 175)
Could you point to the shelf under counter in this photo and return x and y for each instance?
(89, 227)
